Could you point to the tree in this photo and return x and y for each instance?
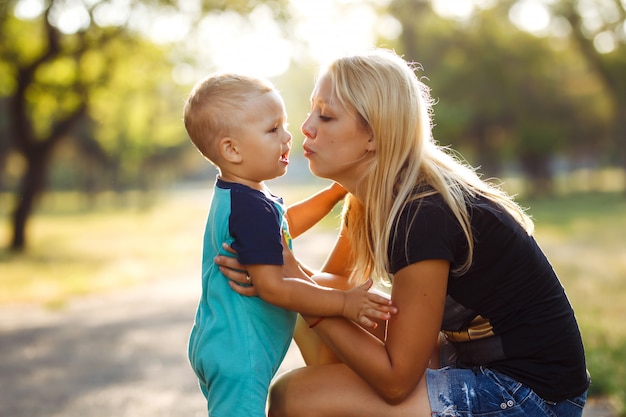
(601, 40)
(502, 93)
(51, 77)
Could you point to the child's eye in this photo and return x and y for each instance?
(283, 126)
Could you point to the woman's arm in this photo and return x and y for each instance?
(304, 214)
(339, 260)
(393, 368)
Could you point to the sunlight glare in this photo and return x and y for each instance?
(111, 14)
(69, 17)
(169, 27)
(388, 27)
(604, 42)
(29, 9)
(457, 9)
(236, 43)
(531, 16)
(330, 28)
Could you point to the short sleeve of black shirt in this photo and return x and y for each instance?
(433, 232)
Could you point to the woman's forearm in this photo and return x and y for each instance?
(366, 355)
(304, 214)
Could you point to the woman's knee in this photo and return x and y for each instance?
(291, 394)
(276, 399)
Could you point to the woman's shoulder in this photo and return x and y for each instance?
(426, 205)
(426, 197)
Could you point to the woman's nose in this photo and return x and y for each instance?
(307, 128)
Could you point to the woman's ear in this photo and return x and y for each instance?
(229, 150)
(371, 143)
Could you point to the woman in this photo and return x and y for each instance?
(459, 254)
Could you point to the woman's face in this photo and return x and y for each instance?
(336, 144)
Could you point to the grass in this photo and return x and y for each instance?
(74, 249)
(78, 247)
(583, 236)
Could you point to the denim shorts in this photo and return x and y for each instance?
(456, 392)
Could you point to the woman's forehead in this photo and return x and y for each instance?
(323, 92)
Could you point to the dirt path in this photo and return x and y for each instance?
(121, 354)
(115, 355)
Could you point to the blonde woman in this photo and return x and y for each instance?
(459, 255)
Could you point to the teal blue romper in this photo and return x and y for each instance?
(237, 343)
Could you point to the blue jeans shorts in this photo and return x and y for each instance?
(456, 392)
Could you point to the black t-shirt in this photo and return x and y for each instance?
(508, 312)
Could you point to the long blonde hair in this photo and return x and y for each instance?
(384, 91)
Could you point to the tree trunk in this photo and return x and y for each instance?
(539, 175)
(30, 189)
(620, 139)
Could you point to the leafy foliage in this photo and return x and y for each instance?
(99, 82)
(505, 96)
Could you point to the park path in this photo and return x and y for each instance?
(119, 354)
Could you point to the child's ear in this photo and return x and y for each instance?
(229, 150)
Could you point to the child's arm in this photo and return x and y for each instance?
(304, 214)
(301, 294)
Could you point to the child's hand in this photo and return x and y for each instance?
(363, 307)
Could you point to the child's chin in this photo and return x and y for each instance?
(281, 173)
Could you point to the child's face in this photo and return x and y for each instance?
(264, 138)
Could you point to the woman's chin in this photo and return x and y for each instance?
(315, 170)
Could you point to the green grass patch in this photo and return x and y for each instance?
(584, 237)
(76, 248)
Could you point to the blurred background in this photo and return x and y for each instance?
(100, 187)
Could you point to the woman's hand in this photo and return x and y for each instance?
(237, 275)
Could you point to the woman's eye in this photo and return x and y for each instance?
(324, 118)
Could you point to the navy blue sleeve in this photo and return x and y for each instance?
(255, 225)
